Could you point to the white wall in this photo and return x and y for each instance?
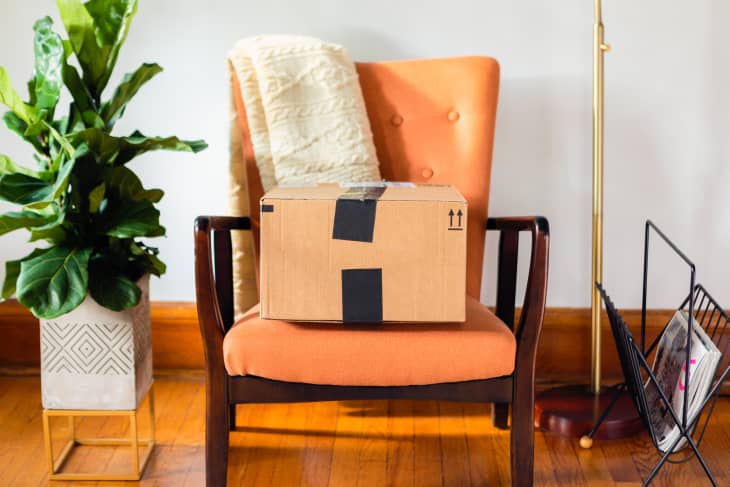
(667, 128)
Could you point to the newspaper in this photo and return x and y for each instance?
(669, 368)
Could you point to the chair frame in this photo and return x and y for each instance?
(214, 271)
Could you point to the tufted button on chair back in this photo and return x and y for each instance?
(433, 122)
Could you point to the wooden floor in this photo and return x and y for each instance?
(354, 443)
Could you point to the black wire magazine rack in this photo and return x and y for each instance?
(701, 308)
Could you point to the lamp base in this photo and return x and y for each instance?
(571, 411)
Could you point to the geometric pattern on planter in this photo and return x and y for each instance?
(140, 320)
(96, 358)
(103, 349)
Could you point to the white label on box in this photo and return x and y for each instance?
(403, 184)
(378, 184)
(298, 185)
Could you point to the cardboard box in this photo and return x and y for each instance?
(366, 253)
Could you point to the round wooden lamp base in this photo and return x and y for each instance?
(572, 411)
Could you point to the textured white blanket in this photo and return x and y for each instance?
(305, 111)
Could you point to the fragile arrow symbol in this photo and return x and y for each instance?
(459, 215)
(451, 218)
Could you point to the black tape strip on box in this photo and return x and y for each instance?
(362, 295)
(355, 214)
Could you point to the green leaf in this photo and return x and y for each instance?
(61, 140)
(120, 150)
(103, 145)
(13, 220)
(7, 166)
(129, 219)
(96, 32)
(126, 185)
(23, 190)
(35, 193)
(53, 230)
(80, 28)
(53, 233)
(147, 256)
(31, 92)
(59, 186)
(83, 109)
(79, 92)
(54, 282)
(130, 85)
(95, 197)
(12, 269)
(140, 143)
(112, 289)
(17, 125)
(158, 267)
(49, 59)
(10, 98)
(113, 19)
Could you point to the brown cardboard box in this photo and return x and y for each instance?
(380, 252)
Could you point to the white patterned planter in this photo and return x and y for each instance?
(95, 358)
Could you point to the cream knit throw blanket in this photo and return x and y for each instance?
(305, 111)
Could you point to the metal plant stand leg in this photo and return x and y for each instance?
(134, 442)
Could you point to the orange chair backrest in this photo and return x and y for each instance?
(433, 122)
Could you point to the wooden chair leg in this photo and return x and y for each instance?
(216, 432)
(500, 415)
(522, 436)
(232, 417)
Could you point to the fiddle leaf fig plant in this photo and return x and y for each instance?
(80, 199)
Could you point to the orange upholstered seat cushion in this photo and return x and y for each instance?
(394, 354)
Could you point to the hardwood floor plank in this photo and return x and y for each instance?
(345, 457)
(373, 445)
(454, 450)
(270, 428)
(483, 456)
(595, 468)
(319, 445)
(567, 468)
(390, 443)
(615, 455)
(544, 470)
(196, 474)
(400, 467)
(288, 461)
(427, 462)
(173, 460)
(241, 442)
(29, 453)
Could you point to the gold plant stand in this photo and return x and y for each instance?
(139, 461)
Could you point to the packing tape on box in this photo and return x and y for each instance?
(355, 214)
(362, 295)
(362, 289)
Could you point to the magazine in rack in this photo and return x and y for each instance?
(669, 369)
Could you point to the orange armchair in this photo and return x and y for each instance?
(432, 121)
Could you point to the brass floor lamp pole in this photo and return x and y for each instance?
(599, 48)
(573, 410)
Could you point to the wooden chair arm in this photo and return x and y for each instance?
(208, 223)
(213, 279)
(533, 309)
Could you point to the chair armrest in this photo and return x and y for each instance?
(208, 223)
(213, 279)
(519, 223)
(533, 308)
